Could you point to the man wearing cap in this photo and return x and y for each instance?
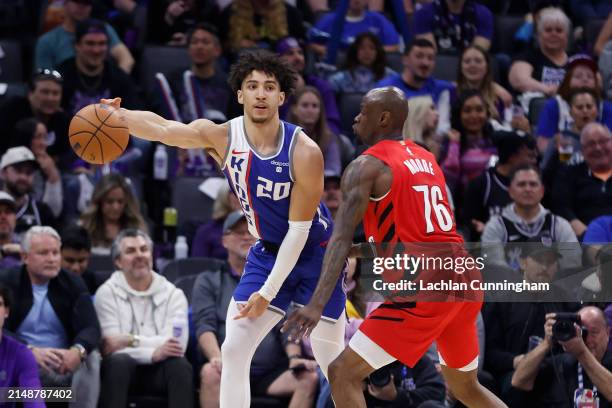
(582, 374)
(555, 117)
(291, 52)
(43, 103)
(511, 321)
(17, 168)
(525, 218)
(9, 250)
(89, 76)
(487, 194)
(270, 373)
(57, 45)
(332, 194)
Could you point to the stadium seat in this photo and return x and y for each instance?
(349, 105)
(162, 59)
(189, 266)
(535, 108)
(394, 61)
(101, 263)
(190, 203)
(11, 69)
(446, 67)
(503, 36)
(185, 283)
(9, 90)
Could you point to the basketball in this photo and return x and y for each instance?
(98, 134)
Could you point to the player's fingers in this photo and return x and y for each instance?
(243, 312)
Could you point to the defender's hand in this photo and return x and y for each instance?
(302, 321)
(254, 308)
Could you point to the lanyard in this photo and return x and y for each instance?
(581, 381)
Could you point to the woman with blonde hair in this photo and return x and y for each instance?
(421, 123)
(112, 208)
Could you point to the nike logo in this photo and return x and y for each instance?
(237, 152)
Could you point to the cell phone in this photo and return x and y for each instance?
(298, 369)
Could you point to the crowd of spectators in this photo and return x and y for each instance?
(522, 133)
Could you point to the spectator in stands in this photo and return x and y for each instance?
(596, 288)
(474, 72)
(586, 365)
(512, 323)
(357, 20)
(270, 371)
(200, 91)
(291, 52)
(258, 23)
(9, 249)
(555, 116)
(416, 80)
(173, 19)
(584, 11)
(88, 76)
(54, 315)
(469, 154)
(17, 168)
(454, 24)
(144, 328)
(332, 194)
(17, 363)
(525, 219)
(76, 250)
(583, 192)
(32, 134)
(207, 240)
(598, 232)
(112, 209)
(365, 64)
(58, 45)
(42, 102)
(604, 36)
(487, 194)
(542, 69)
(308, 111)
(422, 122)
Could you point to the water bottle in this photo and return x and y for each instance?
(180, 248)
(178, 325)
(160, 163)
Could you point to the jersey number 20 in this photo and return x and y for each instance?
(269, 189)
(432, 197)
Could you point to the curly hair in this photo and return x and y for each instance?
(380, 63)
(92, 218)
(264, 61)
(242, 26)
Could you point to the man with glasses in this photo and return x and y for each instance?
(43, 103)
(57, 45)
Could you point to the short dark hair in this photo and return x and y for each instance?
(419, 42)
(45, 74)
(5, 294)
(509, 143)
(76, 237)
(524, 167)
(209, 28)
(89, 26)
(264, 61)
(579, 91)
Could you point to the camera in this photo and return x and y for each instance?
(381, 377)
(563, 329)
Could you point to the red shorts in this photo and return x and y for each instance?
(407, 332)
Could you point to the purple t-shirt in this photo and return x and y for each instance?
(424, 20)
(18, 368)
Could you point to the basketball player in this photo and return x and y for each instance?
(276, 171)
(393, 201)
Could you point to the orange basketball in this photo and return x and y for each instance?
(98, 134)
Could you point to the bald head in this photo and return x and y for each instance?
(596, 142)
(598, 331)
(390, 99)
(593, 129)
(382, 115)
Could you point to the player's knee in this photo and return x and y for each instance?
(209, 376)
(465, 387)
(339, 372)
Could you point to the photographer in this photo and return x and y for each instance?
(396, 385)
(584, 368)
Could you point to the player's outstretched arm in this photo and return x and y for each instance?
(357, 185)
(306, 194)
(149, 126)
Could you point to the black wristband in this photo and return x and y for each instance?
(291, 357)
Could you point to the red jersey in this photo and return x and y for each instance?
(416, 207)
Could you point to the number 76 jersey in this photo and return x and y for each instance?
(416, 208)
(263, 185)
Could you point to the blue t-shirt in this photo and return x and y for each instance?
(42, 327)
(432, 86)
(373, 22)
(424, 20)
(57, 46)
(599, 230)
(548, 122)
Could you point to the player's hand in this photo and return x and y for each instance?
(302, 321)
(115, 102)
(254, 308)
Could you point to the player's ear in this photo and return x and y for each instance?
(281, 98)
(385, 119)
(240, 97)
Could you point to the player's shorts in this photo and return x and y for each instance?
(406, 330)
(299, 285)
